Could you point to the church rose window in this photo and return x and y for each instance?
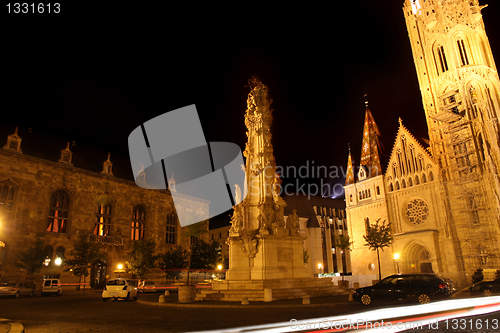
(417, 211)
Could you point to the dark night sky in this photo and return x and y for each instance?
(101, 72)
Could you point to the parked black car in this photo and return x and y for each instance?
(422, 287)
(486, 288)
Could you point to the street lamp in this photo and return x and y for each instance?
(219, 267)
(320, 267)
(396, 259)
(119, 270)
(58, 261)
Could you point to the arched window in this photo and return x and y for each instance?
(397, 186)
(138, 223)
(367, 225)
(462, 51)
(440, 59)
(58, 212)
(417, 180)
(424, 178)
(103, 219)
(170, 237)
(47, 251)
(378, 190)
(410, 182)
(391, 187)
(403, 183)
(59, 254)
(431, 176)
(7, 193)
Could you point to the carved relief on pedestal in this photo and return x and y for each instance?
(250, 245)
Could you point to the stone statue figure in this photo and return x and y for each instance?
(237, 194)
(236, 220)
(171, 184)
(292, 223)
(277, 184)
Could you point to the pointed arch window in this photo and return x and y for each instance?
(103, 219)
(7, 195)
(138, 223)
(367, 225)
(170, 237)
(58, 212)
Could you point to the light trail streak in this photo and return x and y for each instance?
(406, 316)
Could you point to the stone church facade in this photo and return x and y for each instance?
(443, 200)
(59, 200)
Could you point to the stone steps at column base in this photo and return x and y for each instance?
(258, 295)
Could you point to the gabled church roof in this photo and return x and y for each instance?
(413, 157)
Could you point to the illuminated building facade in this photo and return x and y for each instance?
(443, 201)
(63, 195)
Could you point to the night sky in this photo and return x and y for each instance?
(101, 72)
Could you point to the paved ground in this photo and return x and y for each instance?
(78, 312)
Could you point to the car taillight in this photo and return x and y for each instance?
(124, 288)
(14, 289)
(443, 286)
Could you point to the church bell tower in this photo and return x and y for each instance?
(460, 90)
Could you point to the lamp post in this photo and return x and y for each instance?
(396, 259)
(119, 270)
(219, 267)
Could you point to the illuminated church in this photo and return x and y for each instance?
(443, 201)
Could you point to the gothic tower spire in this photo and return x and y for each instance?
(349, 179)
(370, 145)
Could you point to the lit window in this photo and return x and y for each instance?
(7, 193)
(171, 229)
(103, 220)
(58, 212)
(138, 222)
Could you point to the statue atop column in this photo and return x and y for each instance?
(262, 209)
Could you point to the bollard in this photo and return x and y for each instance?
(162, 299)
(351, 292)
(306, 300)
(167, 293)
(244, 301)
(268, 295)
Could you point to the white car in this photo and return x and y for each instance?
(52, 287)
(119, 288)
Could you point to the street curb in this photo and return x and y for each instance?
(14, 326)
(235, 306)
